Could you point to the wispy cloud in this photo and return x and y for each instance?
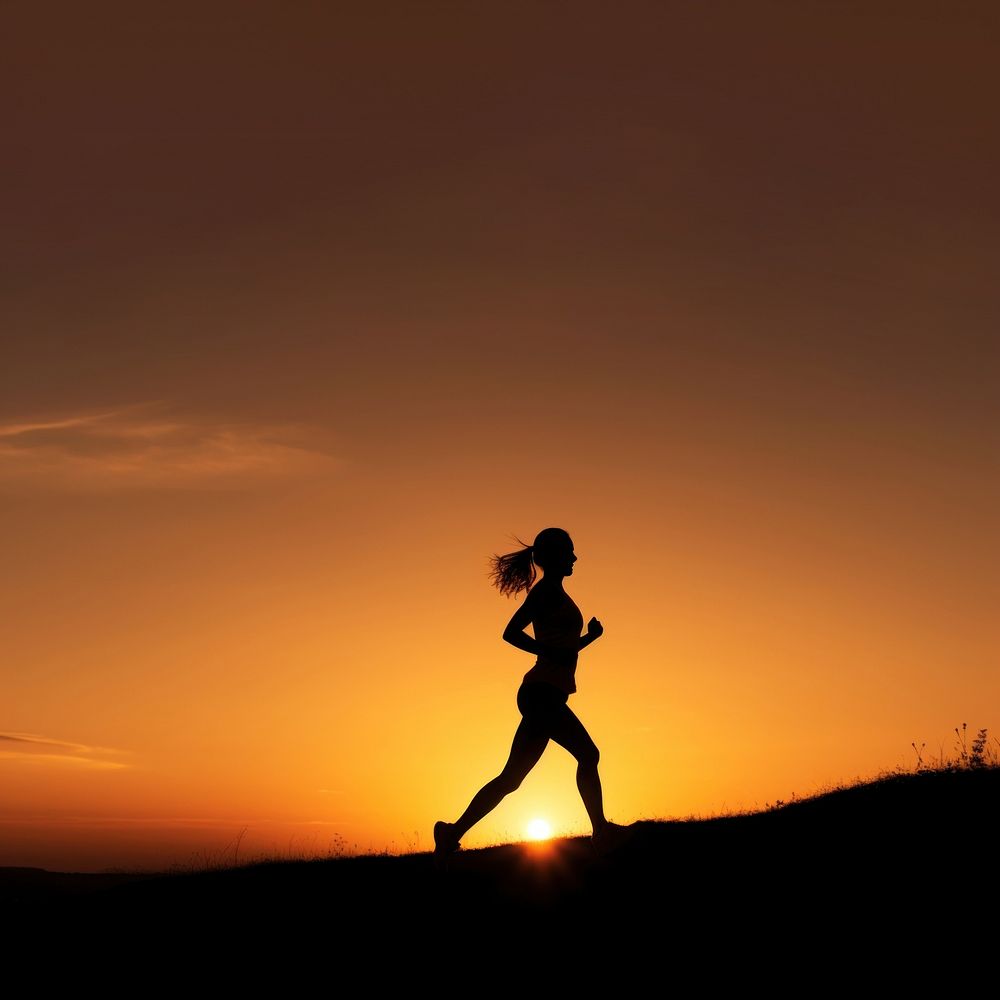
(145, 447)
(126, 821)
(219, 823)
(37, 750)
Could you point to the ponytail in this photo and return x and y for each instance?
(513, 572)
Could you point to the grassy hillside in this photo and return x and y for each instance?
(904, 861)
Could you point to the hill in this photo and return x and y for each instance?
(909, 858)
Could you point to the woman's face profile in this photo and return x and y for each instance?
(563, 557)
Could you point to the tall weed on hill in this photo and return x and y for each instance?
(968, 754)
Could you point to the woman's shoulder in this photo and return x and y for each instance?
(543, 594)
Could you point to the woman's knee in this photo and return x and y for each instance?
(588, 756)
(508, 782)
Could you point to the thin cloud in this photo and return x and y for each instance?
(211, 822)
(62, 759)
(155, 821)
(136, 447)
(13, 430)
(29, 748)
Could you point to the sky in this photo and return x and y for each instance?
(308, 309)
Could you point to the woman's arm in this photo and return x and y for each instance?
(594, 631)
(525, 615)
(514, 632)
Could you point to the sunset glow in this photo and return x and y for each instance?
(310, 309)
(539, 829)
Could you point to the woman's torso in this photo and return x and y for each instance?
(558, 625)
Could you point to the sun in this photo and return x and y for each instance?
(539, 829)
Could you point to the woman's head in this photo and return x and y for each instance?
(552, 549)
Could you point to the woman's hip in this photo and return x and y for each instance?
(538, 698)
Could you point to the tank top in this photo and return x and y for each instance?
(559, 628)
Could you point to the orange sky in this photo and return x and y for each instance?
(307, 312)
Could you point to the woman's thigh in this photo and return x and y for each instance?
(528, 745)
(540, 706)
(569, 732)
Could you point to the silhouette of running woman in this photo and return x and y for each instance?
(542, 697)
